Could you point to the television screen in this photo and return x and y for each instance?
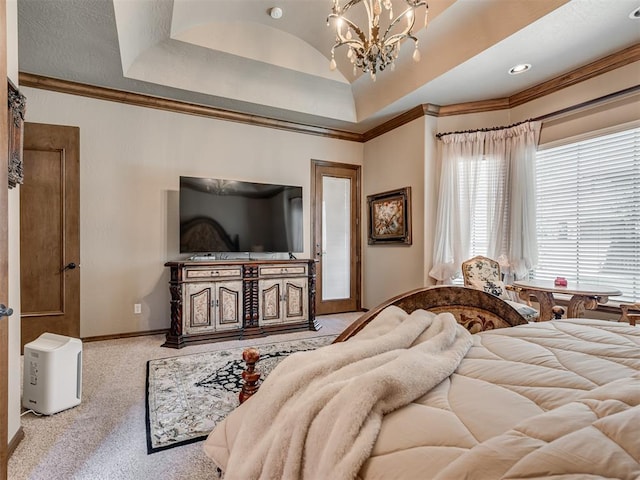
(218, 215)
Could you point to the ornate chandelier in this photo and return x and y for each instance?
(375, 51)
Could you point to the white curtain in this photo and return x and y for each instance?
(507, 158)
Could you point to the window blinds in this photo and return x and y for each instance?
(588, 212)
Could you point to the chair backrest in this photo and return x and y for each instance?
(484, 274)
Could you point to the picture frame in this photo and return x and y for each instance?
(390, 217)
(16, 112)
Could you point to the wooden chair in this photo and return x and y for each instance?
(630, 317)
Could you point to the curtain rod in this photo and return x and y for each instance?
(489, 129)
(557, 113)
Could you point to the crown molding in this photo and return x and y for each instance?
(141, 100)
(606, 64)
(474, 107)
(416, 112)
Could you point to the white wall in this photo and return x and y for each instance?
(395, 160)
(130, 162)
(15, 378)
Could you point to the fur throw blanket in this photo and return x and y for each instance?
(318, 414)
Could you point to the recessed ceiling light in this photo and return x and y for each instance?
(521, 68)
(635, 14)
(275, 12)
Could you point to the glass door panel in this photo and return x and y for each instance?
(336, 238)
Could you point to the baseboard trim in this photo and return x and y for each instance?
(118, 336)
(15, 441)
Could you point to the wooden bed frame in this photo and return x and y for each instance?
(474, 309)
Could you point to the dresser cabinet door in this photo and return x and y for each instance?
(199, 299)
(295, 300)
(283, 301)
(228, 305)
(270, 302)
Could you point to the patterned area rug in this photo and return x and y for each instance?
(188, 395)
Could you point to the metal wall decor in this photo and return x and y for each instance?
(17, 107)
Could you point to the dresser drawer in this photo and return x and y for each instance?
(206, 273)
(283, 270)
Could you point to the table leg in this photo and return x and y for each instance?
(545, 300)
(579, 303)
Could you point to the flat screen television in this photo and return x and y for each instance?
(218, 215)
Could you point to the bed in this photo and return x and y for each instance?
(513, 400)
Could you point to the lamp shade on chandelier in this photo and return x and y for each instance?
(374, 47)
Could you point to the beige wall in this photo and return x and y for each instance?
(129, 187)
(15, 361)
(409, 155)
(130, 162)
(431, 186)
(395, 160)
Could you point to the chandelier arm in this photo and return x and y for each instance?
(347, 5)
(355, 44)
(397, 20)
(394, 38)
(349, 23)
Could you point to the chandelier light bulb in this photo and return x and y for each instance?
(332, 64)
(374, 46)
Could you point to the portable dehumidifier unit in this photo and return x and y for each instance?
(52, 378)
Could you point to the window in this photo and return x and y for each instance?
(488, 176)
(588, 212)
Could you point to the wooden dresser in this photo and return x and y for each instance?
(225, 300)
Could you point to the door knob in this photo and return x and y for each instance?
(70, 266)
(4, 311)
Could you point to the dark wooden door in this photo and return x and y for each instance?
(4, 248)
(335, 197)
(50, 232)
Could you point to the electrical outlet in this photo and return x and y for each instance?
(137, 308)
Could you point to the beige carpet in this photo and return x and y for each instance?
(104, 437)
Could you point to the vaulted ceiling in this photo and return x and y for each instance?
(232, 55)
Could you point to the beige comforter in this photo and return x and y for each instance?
(321, 411)
(546, 399)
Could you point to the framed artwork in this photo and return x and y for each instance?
(16, 112)
(390, 217)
